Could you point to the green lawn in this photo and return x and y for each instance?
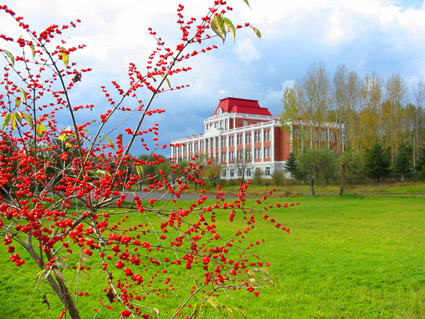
(349, 257)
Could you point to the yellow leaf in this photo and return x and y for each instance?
(230, 313)
(257, 32)
(40, 129)
(64, 55)
(167, 80)
(109, 141)
(240, 312)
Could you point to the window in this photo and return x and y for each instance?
(240, 172)
(267, 171)
(239, 139)
(232, 172)
(248, 138)
(248, 155)
(248, 172)
(240, 155)
(223, 141)
(223, 173)
(267, 152)
(231, 140)
(257, 153)
(267, 135)
(296, 132)
(332, 136)
(322, 135)
(231, 156)
(245, 123)
(257, 136)
(223, 156)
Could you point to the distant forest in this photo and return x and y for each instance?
(371, 109)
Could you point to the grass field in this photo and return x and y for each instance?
(349, 257)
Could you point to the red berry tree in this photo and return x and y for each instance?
(68, 192)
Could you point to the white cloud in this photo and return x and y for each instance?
(246, 51)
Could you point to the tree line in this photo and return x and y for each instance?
(368, 108)
(382, 121)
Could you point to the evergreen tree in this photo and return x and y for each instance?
(403, 161)
(291, 165)
(377, 162)
(420, 164)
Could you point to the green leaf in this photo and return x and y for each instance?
(17, 102)
(215, 26)
(109, 141)
(64, 55)
(220, 22)
(247, 3)
(24, 94)
(10, 56)
(32, 48)
(28, 118)
(19, 117)
(257, 32)
(6, 120)
(103, 172)
(139, 170)
(228, 23)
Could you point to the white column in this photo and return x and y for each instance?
(272, 142)
(252, 146)
(262, 144)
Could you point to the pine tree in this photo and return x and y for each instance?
(420, 164)
(377, 162)
(291, 165)
(403, 161)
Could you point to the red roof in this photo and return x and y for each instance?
(245, 106)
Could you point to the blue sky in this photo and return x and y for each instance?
(367, 36)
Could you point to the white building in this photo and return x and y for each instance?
(244, 137)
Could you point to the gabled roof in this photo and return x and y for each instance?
(244, 106)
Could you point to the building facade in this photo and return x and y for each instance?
(244, 137)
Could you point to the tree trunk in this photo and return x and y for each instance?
(312, 187)
(58, 286)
